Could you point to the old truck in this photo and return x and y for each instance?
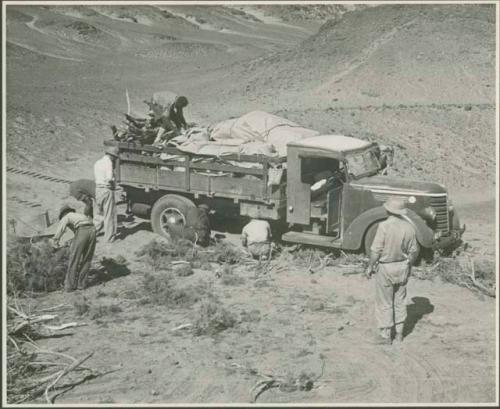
(163, 183)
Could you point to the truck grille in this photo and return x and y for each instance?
(440, 205)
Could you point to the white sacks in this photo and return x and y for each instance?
(260, 126)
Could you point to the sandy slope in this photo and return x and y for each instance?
(421, 78)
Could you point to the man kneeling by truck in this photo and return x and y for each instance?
(256, 237)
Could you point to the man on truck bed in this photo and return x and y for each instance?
(173, 105)
(395, 249)
(175, 113)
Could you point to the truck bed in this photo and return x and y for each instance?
(241, 178)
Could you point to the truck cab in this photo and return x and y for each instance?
(335, 196)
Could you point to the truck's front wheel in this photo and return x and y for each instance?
(170, 213)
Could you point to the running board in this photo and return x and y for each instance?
(311, 239)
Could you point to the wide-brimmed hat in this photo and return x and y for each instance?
(395, 206)
(113, 151)
(65, 209)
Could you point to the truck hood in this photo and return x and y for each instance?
(391, 184)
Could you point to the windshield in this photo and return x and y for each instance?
(362, 163)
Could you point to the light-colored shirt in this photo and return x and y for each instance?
(103, 172)
(395, 240)
(73, 221)
(257, 231)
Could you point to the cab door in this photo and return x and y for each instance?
(298, 193)
(335, 199)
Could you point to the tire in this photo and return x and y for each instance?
(170, 212)
(369, 236)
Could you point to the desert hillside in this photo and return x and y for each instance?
(418, 77)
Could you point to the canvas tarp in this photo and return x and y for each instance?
(222, 149)
(260, 126)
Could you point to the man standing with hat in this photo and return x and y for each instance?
(82, 247)
(105, 193)
(393, 251)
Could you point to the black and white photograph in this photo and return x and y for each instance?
(250, 203)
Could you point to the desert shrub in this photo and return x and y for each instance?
(212, 317)
(458, 271)
(83, 307)
(303, 382)
(160, 253)
(100, 311)
(35, 267)
(183, 270)
(227, 253)
(161, 289)
(250, 316)
(305, 256)
(155, 253)
(228, 277)
(20, 373)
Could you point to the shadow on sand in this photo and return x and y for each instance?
(109, 270)
(421, 306)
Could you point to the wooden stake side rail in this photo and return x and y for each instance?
(138, 158)
(198, 174)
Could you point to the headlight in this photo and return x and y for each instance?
(412, 199)
(429, 213)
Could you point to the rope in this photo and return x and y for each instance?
(37, 175)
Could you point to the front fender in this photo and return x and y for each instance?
(425, 235)
(353, 235)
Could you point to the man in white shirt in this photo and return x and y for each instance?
(105, 194)
(82, 247)
(256, 236)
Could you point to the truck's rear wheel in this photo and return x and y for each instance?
(170, 212)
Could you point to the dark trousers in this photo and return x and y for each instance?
(81, 253)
